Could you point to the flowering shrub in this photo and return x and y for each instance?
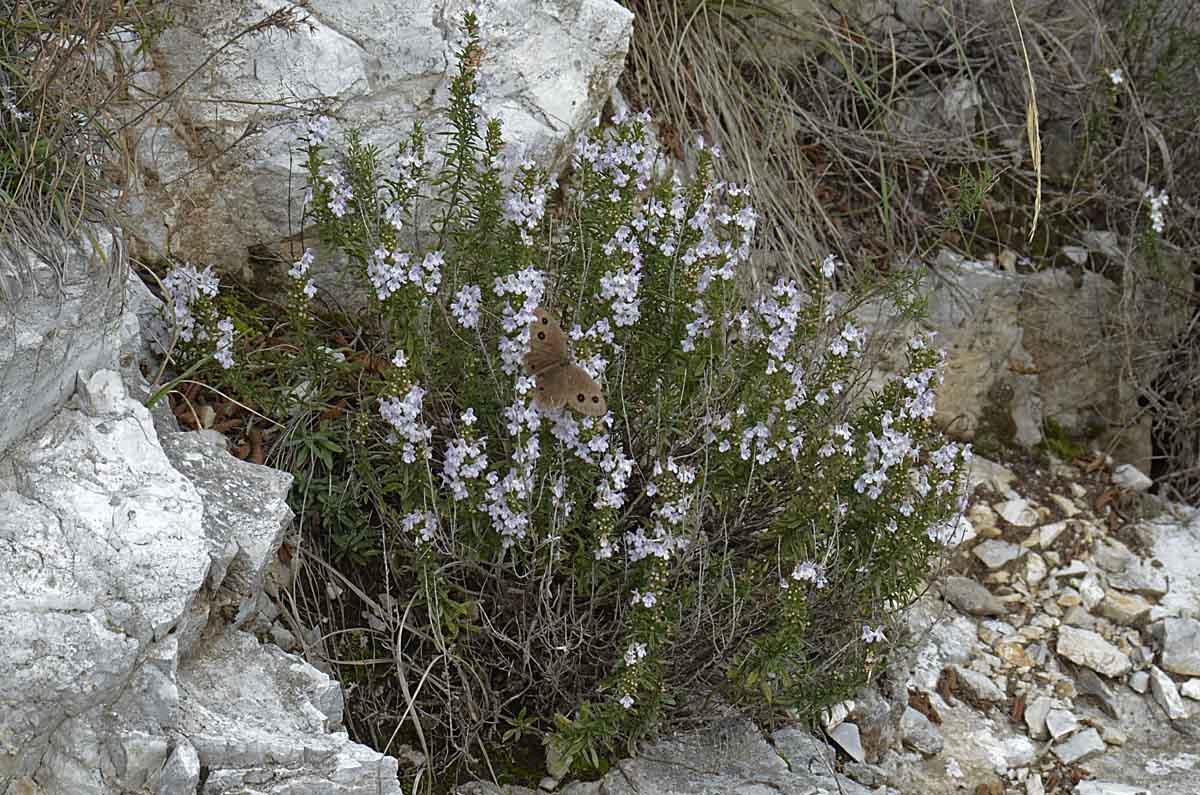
(745, 517)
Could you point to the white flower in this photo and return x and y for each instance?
(1158, 200)
(810, 571)
(647, 599)
(625, 701)
(425, 522)
(224, 349)
(300, 267)
(828, 266)
(1116, 76)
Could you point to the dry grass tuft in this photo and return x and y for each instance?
(981, 127)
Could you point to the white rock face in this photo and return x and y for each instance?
(123, 544)
(213, 191)
(48, 306)
(104, 552)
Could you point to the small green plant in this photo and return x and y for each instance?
(1056, 441)
(745, 517)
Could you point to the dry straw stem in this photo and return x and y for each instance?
(1032, 130)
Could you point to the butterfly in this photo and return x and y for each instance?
(559, 381)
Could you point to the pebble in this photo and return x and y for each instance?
(1060, 723)
(1017, 512)
(1191, 689)
(995, 553)
(1139, 681)
(1127, 476)
(971, 597)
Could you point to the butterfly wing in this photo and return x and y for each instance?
(570, 385)
(547, 343)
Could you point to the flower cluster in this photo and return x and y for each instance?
(187, 289)
(223, 352)
(388, 271)
(299, 273)
(465, 306)
(465, 460)
(425, 524)
(190, 317)
(1158, 200)
(409, 429)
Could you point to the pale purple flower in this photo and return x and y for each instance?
(875, 635)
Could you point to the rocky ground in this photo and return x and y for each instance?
(1058, 653)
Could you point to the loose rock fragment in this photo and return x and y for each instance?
(1166, 694)
(1087, 648)
(971, 597)
(1180, 639)
(1079, 747)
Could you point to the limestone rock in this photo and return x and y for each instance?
(1035, 569)
(1180, 639)
(1139, 681)
(1036, 713)
(1049, 533)
(1085, 647)
(1017, 512)
(60, 312)
(1140, 577)
(847, 736)
(549, 68)
(971, 597)
(1175, 540)
(1125, 609)
(1190, 689)
(1060, 723)
(1166, 694)
(1127, 476)
(118, 546)
(979, 687)
(1108, 788)
(919, 733)
(1079, 747)
(238, 707)
(995, 553)
(1091, 591)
